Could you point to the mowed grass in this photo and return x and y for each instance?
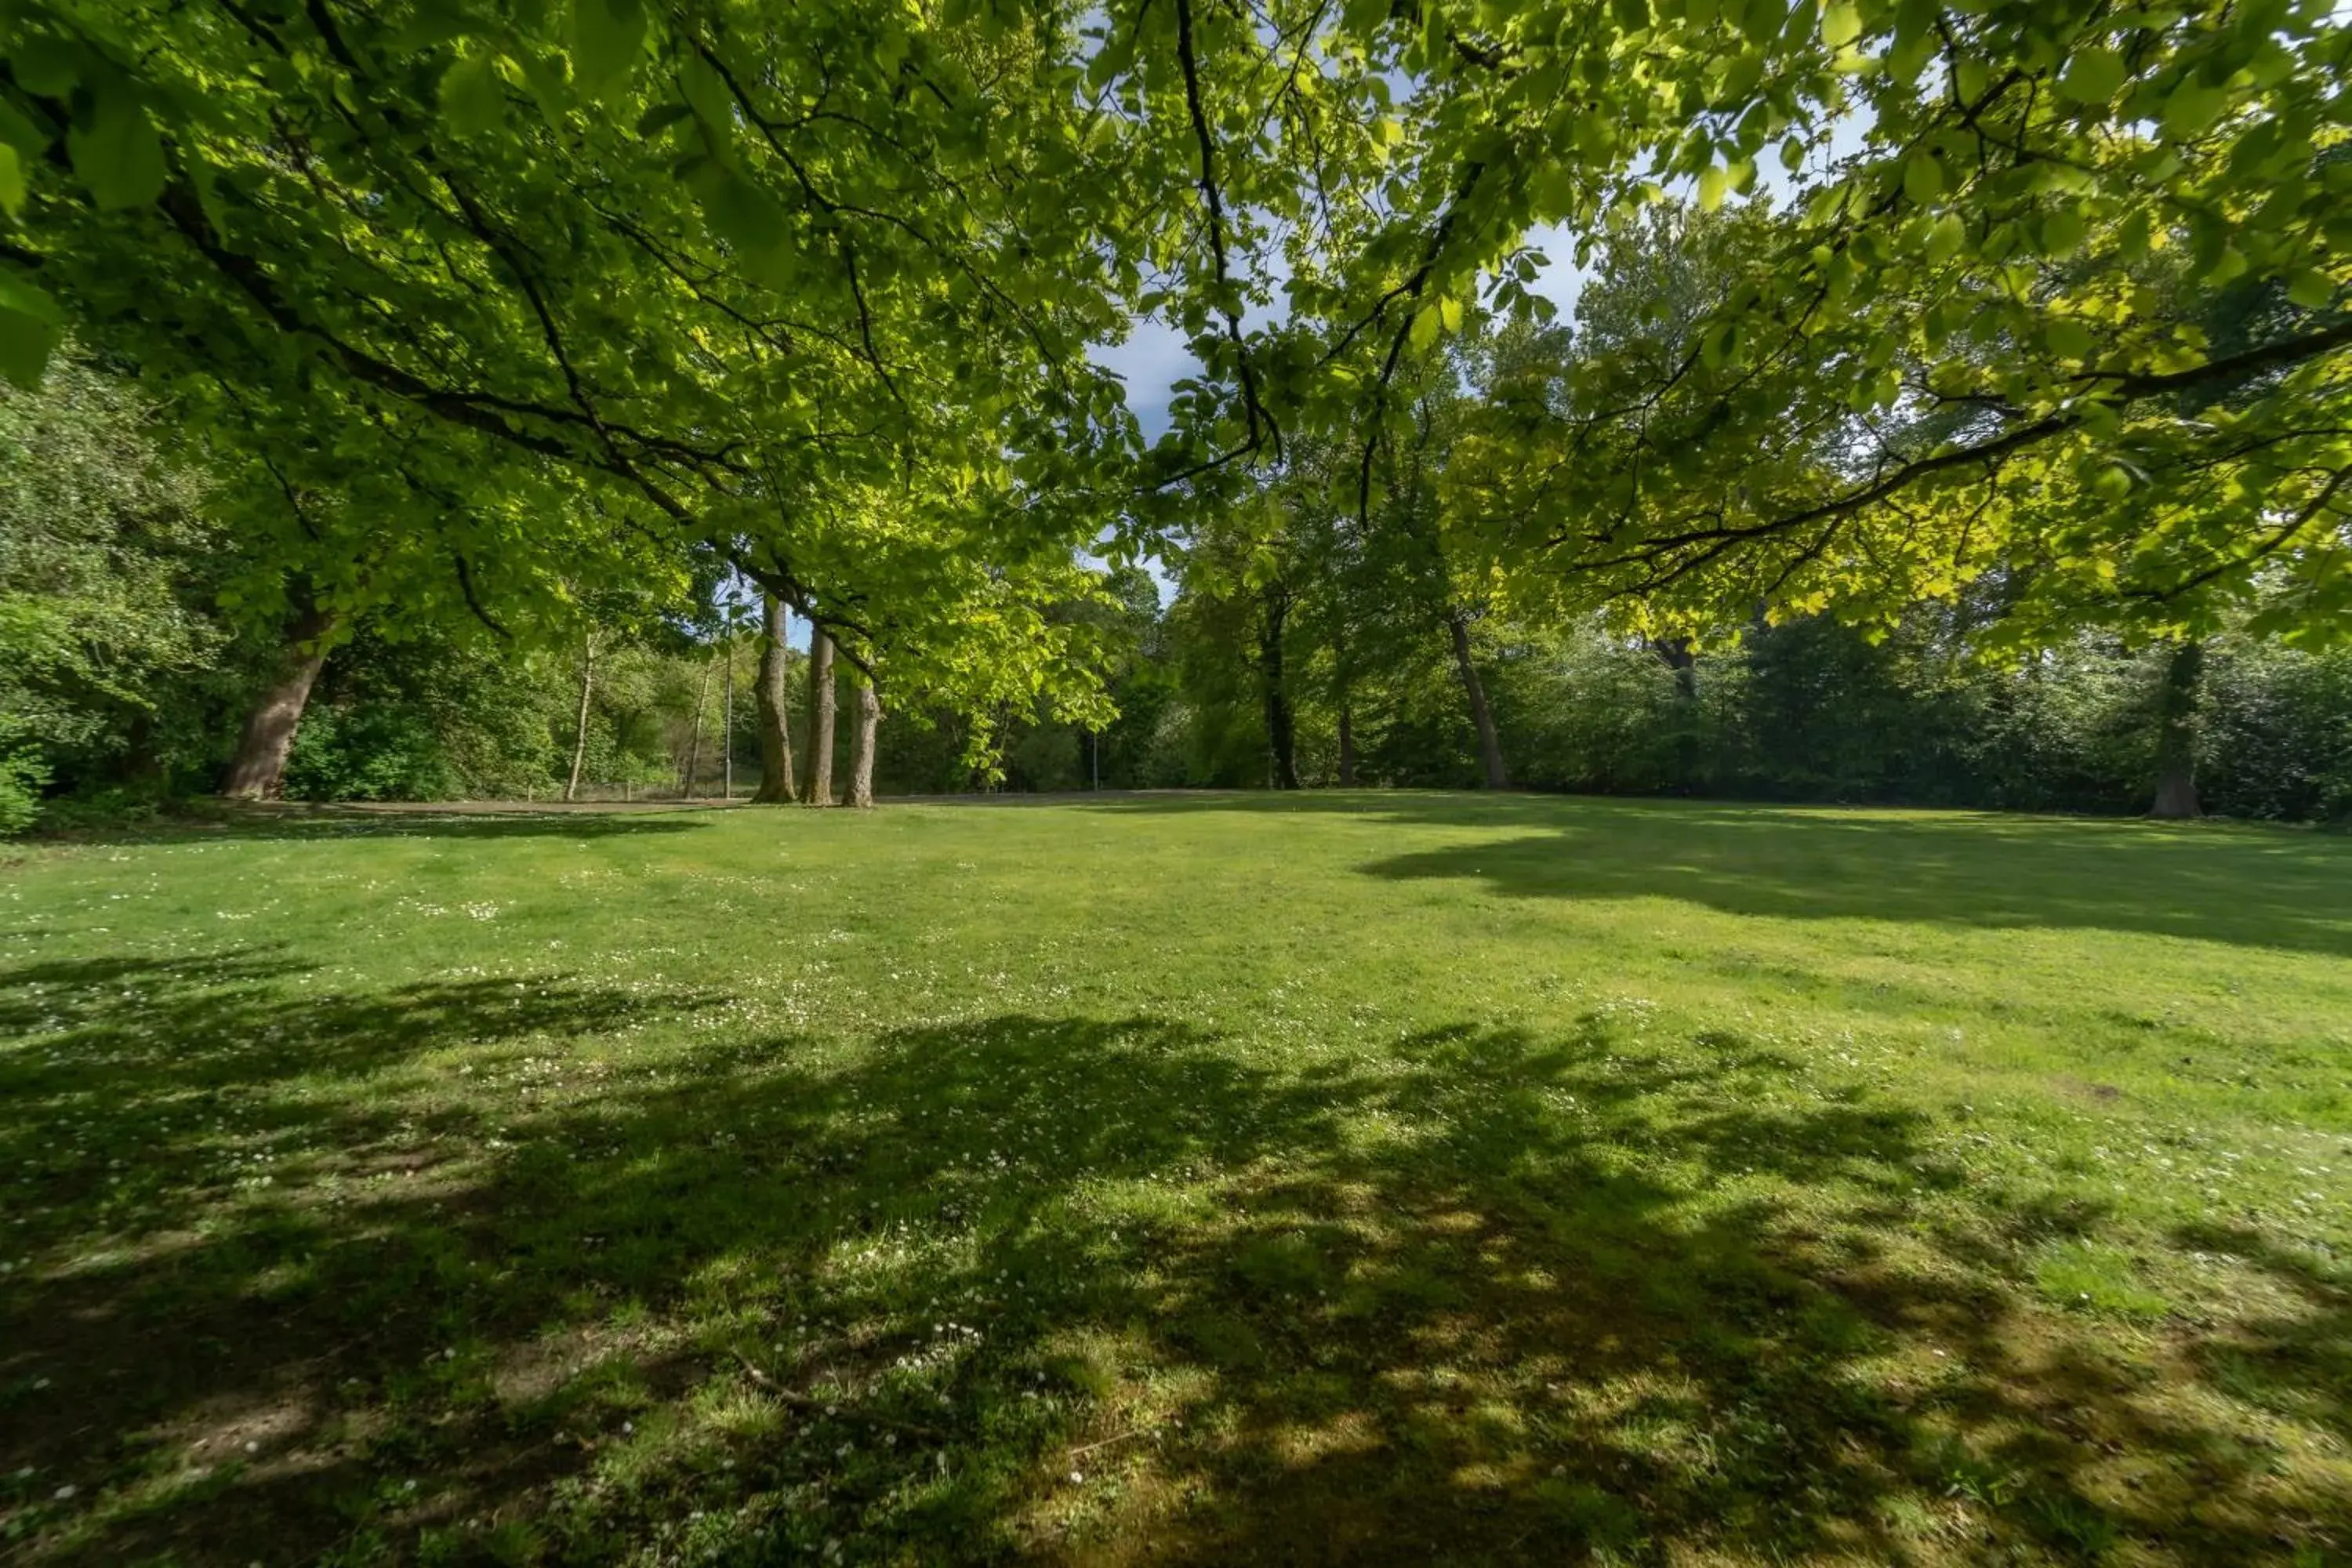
(1340, 1178)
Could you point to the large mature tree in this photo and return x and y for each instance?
(712, 258)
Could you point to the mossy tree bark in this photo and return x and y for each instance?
(257, 772)
(861, 750)
(820, 725)
(777, 783)
(2176, 736)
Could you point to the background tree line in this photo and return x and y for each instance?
(133, 660)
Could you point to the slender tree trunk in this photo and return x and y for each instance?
(579, 726)
(727, 730)
(861, 749)
(259, 770)
(1490, 743)
(694, 742)
(776, 780)
(2176, 737)
(820, 726)
(1281, 730)
(1346, 745)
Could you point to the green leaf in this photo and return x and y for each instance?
(1840, 25)
(1715, 349)
(1424, 329)
(2069, 338)
(473, 101)
(20, 134)
(1923, 178)
(2312, 289)
(1763, 19)
(1945, 239)
(1713, 182)
(2093, 75)
(2190, 109)
(605, 37)
(12, 181)
(30, 325)
(119, 157)
(2061, 232)
(1449, 314)
(46, 65)
(740, 213)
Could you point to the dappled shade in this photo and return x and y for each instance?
(1485, 1294)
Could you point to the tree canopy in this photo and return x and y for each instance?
(2058, 295)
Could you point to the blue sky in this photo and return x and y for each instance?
(1154, 357)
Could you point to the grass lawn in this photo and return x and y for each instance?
(1342, 1178)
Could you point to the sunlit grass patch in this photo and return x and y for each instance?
(2091, 1278)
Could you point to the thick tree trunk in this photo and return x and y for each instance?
(1482, 714)
(1676, 654)
(861, 749)
(1281, 730)
(776, 780)
(820, 725)
(694, 742)
(142, 764)
(2175, 738)
(1346, 745)
(580, 727)
(259, 770)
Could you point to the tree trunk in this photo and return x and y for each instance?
(579, 728)
(259, 770)
(776, 782)
(1347, 746)
(694, 742)
(820, 726)
(1281, 730)
(2175, 738)
(1490, 743)
(726, 732)
(1676, 654)
(861, 750)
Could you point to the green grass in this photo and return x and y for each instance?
(1420, 1179)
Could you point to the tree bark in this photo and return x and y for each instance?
(694, 742)
(259, 770)
(1346, 745)
(861, 750)
(777, 784)
(2176, 737)
(1482, 714)
(579, 728)
(727, 730)
(1281, 729)
(820, 726)
(1676, 654)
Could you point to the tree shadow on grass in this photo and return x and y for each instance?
(2249, 888)
(1478, 1296)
